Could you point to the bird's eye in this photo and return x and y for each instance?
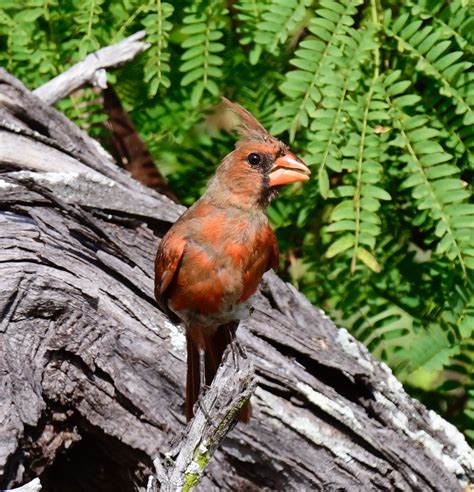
(254, 159)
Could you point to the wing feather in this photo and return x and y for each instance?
(168, 258)
(273, 260)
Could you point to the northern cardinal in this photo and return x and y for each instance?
(212, 259)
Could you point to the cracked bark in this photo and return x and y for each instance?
(92, 373)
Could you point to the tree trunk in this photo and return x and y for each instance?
(92, 373)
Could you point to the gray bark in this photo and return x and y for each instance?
(92, 373)
(92, 70)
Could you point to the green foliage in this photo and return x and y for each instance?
(279, 20)
(376, 96)
(201, 58)
(158, 30)
(434, 182)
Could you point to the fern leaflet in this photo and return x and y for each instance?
(280, 19)
(315, 59)
(201, 61)
(434, 182)
(158, 29)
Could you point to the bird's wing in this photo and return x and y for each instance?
(274, 251)
(167, 261)
(264, 256)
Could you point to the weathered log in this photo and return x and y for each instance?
(92, 373)
(92, 70)
(214, 415)
(124, 141)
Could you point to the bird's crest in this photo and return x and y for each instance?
(248, 127)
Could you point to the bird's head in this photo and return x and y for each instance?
(259, 166)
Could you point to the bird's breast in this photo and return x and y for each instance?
(223, 262)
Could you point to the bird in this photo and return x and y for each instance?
(212, 259)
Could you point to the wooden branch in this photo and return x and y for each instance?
(103, 370)
(92, 70)
(214, 417)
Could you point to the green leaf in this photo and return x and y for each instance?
(368, 259)
(341, 245)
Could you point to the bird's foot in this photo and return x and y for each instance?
(237, 350)
(200, 405)
(240, 348)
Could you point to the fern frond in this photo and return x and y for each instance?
(201, 61)
(434, 180)
(7, 28)
(427, 47)
(443, 344)
(454, 135)
(158, 29)
(383, 329)
(259, 100)
(85, 108)
(34, 54)
(86, 16)
(357, 217)
(454, 18)
(460, 314)
(128, 20)
(280, 19)
(469, 409)
(431, 350)
(249, 14)
(327, 127)
(315, 59)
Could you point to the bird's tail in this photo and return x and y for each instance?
(214, 346)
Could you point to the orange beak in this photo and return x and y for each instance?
(288, 169)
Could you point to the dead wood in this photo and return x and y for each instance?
(123, 141)
(92, 70)
(92, 373)
(214, 416)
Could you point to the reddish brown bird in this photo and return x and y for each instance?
(212, 259)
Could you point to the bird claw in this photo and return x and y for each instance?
(237, 350)
(200, 405)
(240, 348)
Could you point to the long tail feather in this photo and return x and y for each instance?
(215, 345)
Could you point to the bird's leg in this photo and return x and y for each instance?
(202, 370)
(240, 348)
(202, 407)
(242, 311)
(203, 387)
(237, 350)
(235, 346)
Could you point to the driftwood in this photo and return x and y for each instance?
(92, 70)
(128, 148)
(92, 373)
